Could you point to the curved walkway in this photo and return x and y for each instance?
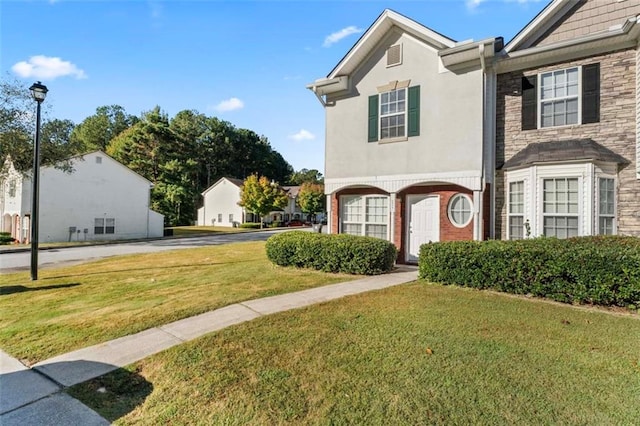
(34, 396)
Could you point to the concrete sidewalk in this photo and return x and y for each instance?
(34, 396)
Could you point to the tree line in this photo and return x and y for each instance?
(181, 155)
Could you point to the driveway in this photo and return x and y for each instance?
(12, 262)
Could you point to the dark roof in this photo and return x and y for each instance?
(569, 150)
(238, 182)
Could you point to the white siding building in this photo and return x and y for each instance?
(100, 200)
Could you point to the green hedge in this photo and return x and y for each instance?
(5, 238)
(598, 270)
(250, 225)
(332, 253)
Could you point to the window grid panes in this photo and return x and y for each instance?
(365, 215)
(516, 210)
(219, 217)
(560, 207)
(393, 106)
(559, 97)
(230, 217)
(110, 226)
(606, 206)
(460, 210)
(98, 225)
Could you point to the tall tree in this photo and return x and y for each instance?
(17, 130)
(151, 149)
(311, 198)
(98, 130)
(306, 175)
(260, 196)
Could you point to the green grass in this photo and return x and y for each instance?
(365, 359)
(74, 307)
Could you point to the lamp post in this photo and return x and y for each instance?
(39, 92)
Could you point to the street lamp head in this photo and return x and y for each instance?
(38, 91)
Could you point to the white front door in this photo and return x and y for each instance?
(423, 213)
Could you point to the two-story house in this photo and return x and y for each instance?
(568, 123)
(101, 199)
(408, 153)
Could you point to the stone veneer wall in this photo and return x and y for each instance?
(590, 16)
(616, 130)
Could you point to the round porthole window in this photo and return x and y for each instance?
(460, 210)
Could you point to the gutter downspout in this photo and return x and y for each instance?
(313, 89)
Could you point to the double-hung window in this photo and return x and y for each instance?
(606, 206)
(365, 215)
(559, 97)
(103, 225)
(516, 210)
(394, 113)
(560, 207)
(393, 107)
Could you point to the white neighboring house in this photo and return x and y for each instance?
(101, 199)
(220, 206)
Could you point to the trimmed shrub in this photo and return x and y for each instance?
(249, 225)
(332, 252)
(5, 238)
(603, 270)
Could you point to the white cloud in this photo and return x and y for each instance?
(473, 4)
(47, 68)
(302, 135)
(339, 35)
(230, 104)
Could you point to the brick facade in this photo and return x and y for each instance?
(616, 130)
(588, 17)
(448, 231)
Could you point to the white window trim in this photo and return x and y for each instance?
(406, 116)
(364, 222)
(540, 100)
(596, 222)
(579, 215)
(587, 174)
(524, 207)
(471, 211)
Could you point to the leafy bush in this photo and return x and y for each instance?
(249, 225)
(332, 253)
(5, 238)
(599, 270)
(275, 225)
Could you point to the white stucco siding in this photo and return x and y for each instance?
(222, 199)
(106, 190)
(450, 118)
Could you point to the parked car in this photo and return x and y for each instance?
(295, 222)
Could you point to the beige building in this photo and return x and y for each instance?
(428, 139)
(568, 124)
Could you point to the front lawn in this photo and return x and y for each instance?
(198, 230)
(74, 307)
(413, 354)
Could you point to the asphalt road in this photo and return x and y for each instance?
(12, 262)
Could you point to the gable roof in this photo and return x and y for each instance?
(376, 32)
(567, 150)
(234, 181)
(544, 20)
(521, 52)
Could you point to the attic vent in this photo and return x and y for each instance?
(98, 160)
(394, 55)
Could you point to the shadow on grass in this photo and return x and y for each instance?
(153, 268)
(27, 392)
(12, 289)
(114, 394)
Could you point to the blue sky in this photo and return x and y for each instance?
(243, 61)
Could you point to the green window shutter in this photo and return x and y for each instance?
(373, 118)
(413, 128)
